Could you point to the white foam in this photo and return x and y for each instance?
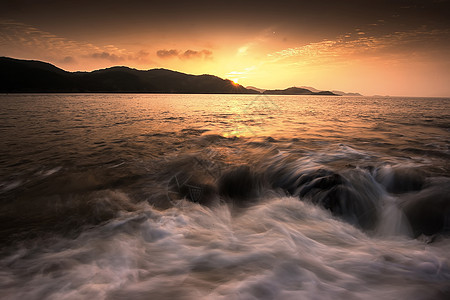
(7, 186)
(392, 221)
(279, 249)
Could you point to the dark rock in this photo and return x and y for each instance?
(294, 181)
(428, 211)
(333, 192)
(346, 202)
(321, 180)
(194, 190)
(240, 183)
(399, 179)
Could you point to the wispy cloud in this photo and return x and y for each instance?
(18, 37)
(363, 45)
(167, 53)
(108, 56)
(241, 74)
(116, 55)
(188, 54)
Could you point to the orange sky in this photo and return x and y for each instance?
(371, 47)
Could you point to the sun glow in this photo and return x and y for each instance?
(235, 80)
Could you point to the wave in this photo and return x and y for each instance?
(278, 248)
(362, 195)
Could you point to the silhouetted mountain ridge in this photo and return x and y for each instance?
(26, 76)
(298, 91)
(339, 93)
(30, 76)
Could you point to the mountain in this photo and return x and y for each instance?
(255, 89)
(339, 93)
(310, 88)
(27, 76)
(297, 91)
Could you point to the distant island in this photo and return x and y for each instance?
(339, 93)
(30, 76)
(298, 91)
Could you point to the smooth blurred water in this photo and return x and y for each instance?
(112, 196)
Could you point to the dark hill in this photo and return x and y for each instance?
(297, 91)
(25, 76)
(32, 76)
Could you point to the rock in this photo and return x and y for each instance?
(192, 189)
(240, 183)
(333, 192)
(428, 211)
(320, 180)
(399, 180)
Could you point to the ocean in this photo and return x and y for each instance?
(164, 196)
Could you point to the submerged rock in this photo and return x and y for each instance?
(323, 179)
(190, 188)
(295, 181)
(330, 190)
(355, 205)
(240, 183)
(428, 211)
(400, 179)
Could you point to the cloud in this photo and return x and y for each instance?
(167, 53)
(68, 60)
(23, 40)
(108, 56)
(188, 54)
(243, 50)
(398, 44)
(142, 55)
(118, 55)
(235, 75)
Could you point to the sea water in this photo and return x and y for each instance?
(128, 196)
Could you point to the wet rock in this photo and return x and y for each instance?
(191, 189)
(400, 179)
(333, 192)
(354, 207)
(320, 180)
(240, 183)
(198, 192)
(295, 182)
(428, 211)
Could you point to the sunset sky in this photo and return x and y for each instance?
(371, 47)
